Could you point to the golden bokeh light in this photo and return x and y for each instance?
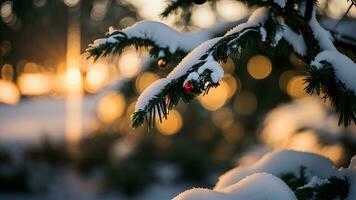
(233, 84)
(31, 67)
(216, 97)
(295, 87)
(111, 107)
(228, 66)
(234, 132)
(73, 77)
(9, 93)
(231, 10)
(7, 72)
(285, 78)
(223, 118)
(144, 80)
(129, 64)
(96, 78)
(203, 16)
(259, 67)
(171, 125)
(245, 103)
(34, 83)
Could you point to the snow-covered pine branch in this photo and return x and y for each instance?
(282, 174)
(163, 40)
(275, 23)
(200, 68)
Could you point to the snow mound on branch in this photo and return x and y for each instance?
(181, 69)
(257, 17)
(163, 35)
(345, 68)
(295, 40)
(258, 186)
(280, 162)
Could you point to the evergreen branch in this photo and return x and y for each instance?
(323, 81)
(174, 5)
(172, 92)
(333, 188)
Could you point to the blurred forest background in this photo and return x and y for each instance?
(65, 120)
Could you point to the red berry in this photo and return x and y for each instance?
(162, 63)
(189, 87)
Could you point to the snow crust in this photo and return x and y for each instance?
(163, 35)
(345, 68)
(257, 17)
(260, 181)
(259, 186)
(295, 40)
(280, 162)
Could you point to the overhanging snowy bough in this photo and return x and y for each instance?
(273, 26)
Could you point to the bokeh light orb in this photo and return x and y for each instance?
(111, 107)
(259, 67)
(171, 125)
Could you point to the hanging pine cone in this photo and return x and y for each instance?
(199, 2)
(189, 87)
(162, 63)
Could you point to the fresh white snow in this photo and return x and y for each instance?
(280, 162)
(345, 68)
(258, 186)
(163, 35)
(295, 40)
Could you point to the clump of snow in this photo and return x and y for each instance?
(258, 186)
(280, 162)
(260, 181)
(320, 34)
(217, 71)
(163, 35)
(295, 40)
(258, 16)
(345, 68)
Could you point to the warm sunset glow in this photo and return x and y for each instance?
(144, 80)
(216, 97)
(295, 87)
(74, 77)
(231, 10)
(259, 67)
(9, 93)
(96, 78)
(171, 125)
(111, 107)
(203, 16)
(129, 64)
(232, 84)
(34, 83)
